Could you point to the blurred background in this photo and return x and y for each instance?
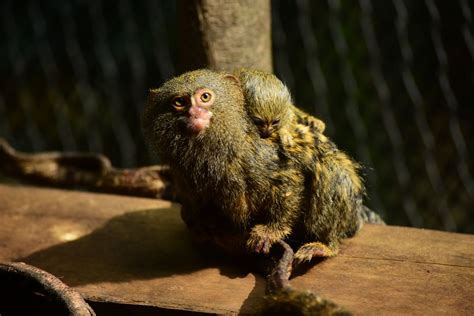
(393, 80)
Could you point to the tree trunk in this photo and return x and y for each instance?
(224, 35)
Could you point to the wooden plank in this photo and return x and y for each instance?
(137, 251)
(396, 278)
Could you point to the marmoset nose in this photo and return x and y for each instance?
(265, 132)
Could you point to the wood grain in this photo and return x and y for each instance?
(137, 251)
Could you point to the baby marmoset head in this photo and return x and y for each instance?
(267, 100)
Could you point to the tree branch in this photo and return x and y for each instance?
(92, 171)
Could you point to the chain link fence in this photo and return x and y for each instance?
(393, 80)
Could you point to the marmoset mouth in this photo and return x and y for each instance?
(199, 118)
(265, 133)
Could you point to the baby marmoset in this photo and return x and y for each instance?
(233, 185)
(269, 104)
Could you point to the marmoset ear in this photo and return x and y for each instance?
(233, 78)
(152, 99)
(153, 94)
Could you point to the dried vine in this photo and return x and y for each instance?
(92, 171)
(47, 292)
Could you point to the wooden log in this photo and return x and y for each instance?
(137, 252)
(224, 35)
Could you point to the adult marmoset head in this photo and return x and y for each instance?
(195, 114)
(267, 99)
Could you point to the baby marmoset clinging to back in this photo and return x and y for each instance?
(269, 104)
(300, 138)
